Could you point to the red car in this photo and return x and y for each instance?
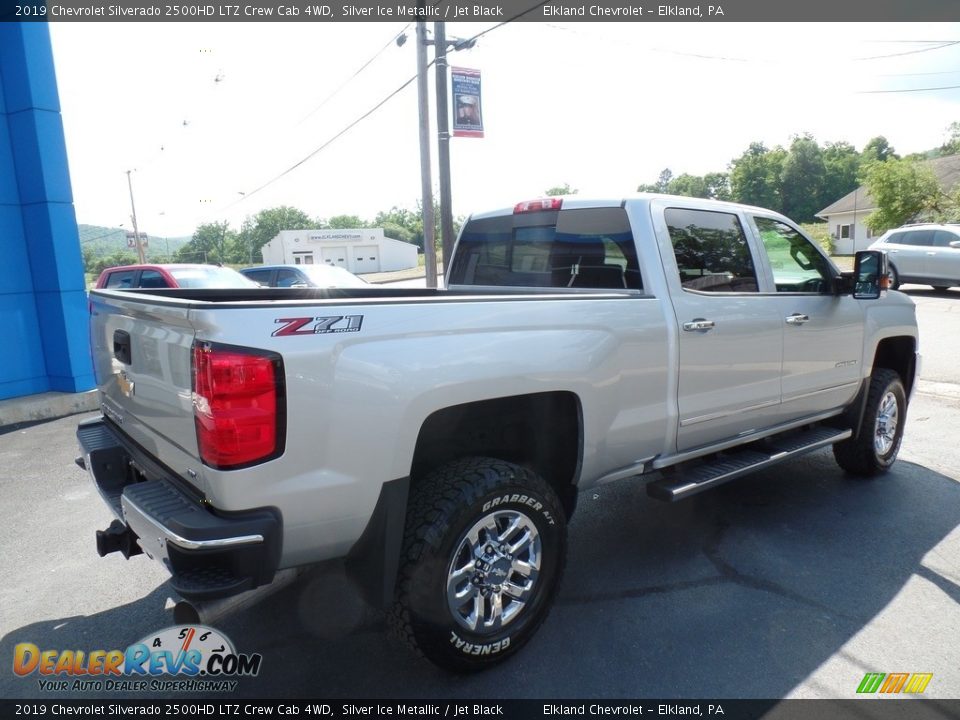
(125, 277)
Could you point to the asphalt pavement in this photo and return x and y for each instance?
(794, 582)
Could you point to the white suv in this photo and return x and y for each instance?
(927, 254)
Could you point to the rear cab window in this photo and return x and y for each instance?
(577, 248)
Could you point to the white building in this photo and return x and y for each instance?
(364, 250)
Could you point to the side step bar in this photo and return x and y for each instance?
(690, 479)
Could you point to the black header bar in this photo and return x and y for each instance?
(479, 11)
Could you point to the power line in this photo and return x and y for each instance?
(907, 90)
(359, 70)
(327, 143)
(372, 110)
(943, 44)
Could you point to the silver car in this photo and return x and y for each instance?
(926, 254)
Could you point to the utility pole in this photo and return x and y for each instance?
(133, 216)
(443, 142)
(426, 184)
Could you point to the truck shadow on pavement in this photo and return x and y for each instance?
(743, 591)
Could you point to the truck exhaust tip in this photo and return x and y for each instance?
(206, 612)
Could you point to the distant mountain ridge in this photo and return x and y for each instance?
(102, 241)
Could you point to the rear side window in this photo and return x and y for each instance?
(711, 251)
(260, 276)
(575, 248)
(917, 237)
(121, 280)
(942, 238)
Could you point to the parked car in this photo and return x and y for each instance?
(321, 276)
(927, 254)
(125, 277)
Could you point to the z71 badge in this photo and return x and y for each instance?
(318, 325)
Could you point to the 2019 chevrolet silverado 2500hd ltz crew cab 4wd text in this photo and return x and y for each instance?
(437, 440)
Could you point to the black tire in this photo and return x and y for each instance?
(873, 451)
(443, 510)
(894, 277)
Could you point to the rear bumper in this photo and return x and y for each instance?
(209, 553)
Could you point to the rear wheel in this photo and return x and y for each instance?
(484, 550)
(875, 448)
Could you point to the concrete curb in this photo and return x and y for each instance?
(46, 406)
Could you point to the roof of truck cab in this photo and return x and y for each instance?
(574, 202)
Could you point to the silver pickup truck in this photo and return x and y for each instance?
(437, 440)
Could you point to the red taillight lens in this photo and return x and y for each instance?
(551, 203)
(237, 396)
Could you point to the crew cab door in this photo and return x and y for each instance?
(730, 335)
(822, 330)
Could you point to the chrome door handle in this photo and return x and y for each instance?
(797, 319)
(931, 252)
(698, 324)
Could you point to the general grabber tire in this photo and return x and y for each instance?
(875, 448)
(483, 553)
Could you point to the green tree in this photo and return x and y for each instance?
(951, 145)
(662, 184)
(904, 190)
(841, 163)
(755, 176)
(877, 149)
(401, 224)
(114, 259)
(345, 222)
(802, 179)
(211, 243)
(689, 185)
(260, 229)
(557, 190)
(718, 185)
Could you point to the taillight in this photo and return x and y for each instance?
(551, 203)
(238, 405)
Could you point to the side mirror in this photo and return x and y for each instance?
(955, 244)
(869, 274)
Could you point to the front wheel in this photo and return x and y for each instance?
(894, 277)
(483, 553)
(876, 446)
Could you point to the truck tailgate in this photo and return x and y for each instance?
(142, 354)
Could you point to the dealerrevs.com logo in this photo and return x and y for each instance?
(203, 657)
(893, 683)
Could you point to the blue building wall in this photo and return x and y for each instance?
(43, 303)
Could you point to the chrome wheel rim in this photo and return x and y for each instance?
(494, 571)
(885, 429)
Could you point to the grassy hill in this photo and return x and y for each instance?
(100, 241)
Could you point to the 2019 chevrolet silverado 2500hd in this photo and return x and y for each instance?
(438, 440)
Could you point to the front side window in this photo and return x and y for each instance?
(711, 251)
(152, 279)
(576, 248)
(796, 264)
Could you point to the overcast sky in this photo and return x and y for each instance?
(204, 114)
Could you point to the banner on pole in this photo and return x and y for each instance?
(467, 117)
